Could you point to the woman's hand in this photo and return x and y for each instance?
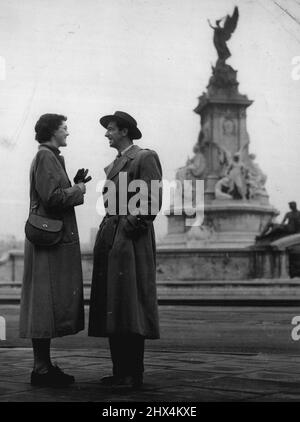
(81, 176)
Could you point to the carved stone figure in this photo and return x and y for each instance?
(289, 225)
(222, 188)
(226, 157)
(233, 172)
(223, 34)
(194, 168)
(237, 176)
(223, 75)
(256, 178)
(205, 134)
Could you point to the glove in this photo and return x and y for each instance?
(80, 176)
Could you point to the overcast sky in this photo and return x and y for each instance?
(151, 58)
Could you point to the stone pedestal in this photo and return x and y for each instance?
(222, 112)
(235, 221)
(226, 224)
(231, 224)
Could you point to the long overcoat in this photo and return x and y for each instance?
(52, 290)
(123, 293)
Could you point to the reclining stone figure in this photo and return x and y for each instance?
(289, 225)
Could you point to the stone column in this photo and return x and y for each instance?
(284, 264)
(223, 127)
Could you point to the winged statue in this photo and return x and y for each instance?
(223, 34)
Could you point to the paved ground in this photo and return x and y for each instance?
(206, 354)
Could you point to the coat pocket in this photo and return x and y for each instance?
(134, 227)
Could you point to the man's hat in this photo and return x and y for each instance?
(123, 118)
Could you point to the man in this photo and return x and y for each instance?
(123, 304)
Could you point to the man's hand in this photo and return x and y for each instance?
(81, 176)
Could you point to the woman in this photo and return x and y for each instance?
(52, 291)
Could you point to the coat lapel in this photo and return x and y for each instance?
(116, 166)
(108, 168)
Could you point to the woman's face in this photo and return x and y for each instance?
(60, 135)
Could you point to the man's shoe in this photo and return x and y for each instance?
(135, 383)
(55, 377)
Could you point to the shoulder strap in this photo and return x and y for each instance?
(34, 197)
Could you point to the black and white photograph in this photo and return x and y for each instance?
(150, 204)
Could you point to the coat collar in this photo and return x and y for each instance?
(132, 152)
(51, 147)
(116, 166)
(56, 152)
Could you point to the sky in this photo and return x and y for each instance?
(151, 58)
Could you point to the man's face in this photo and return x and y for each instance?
(60, 135)
(115, 135)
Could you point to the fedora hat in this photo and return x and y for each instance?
(123, 118)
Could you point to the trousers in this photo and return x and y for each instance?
(127, 354)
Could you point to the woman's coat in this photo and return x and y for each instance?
(52, 290)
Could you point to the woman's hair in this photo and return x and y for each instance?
(47, 125)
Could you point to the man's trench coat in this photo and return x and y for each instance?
(52, 290)
(123, 294)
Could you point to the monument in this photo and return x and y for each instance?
(236, 203)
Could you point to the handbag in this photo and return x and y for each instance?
(43, 231)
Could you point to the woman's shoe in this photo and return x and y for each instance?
(55, 377)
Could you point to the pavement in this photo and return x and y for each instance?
(266, 292)
(205, 354)
(172, 376)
